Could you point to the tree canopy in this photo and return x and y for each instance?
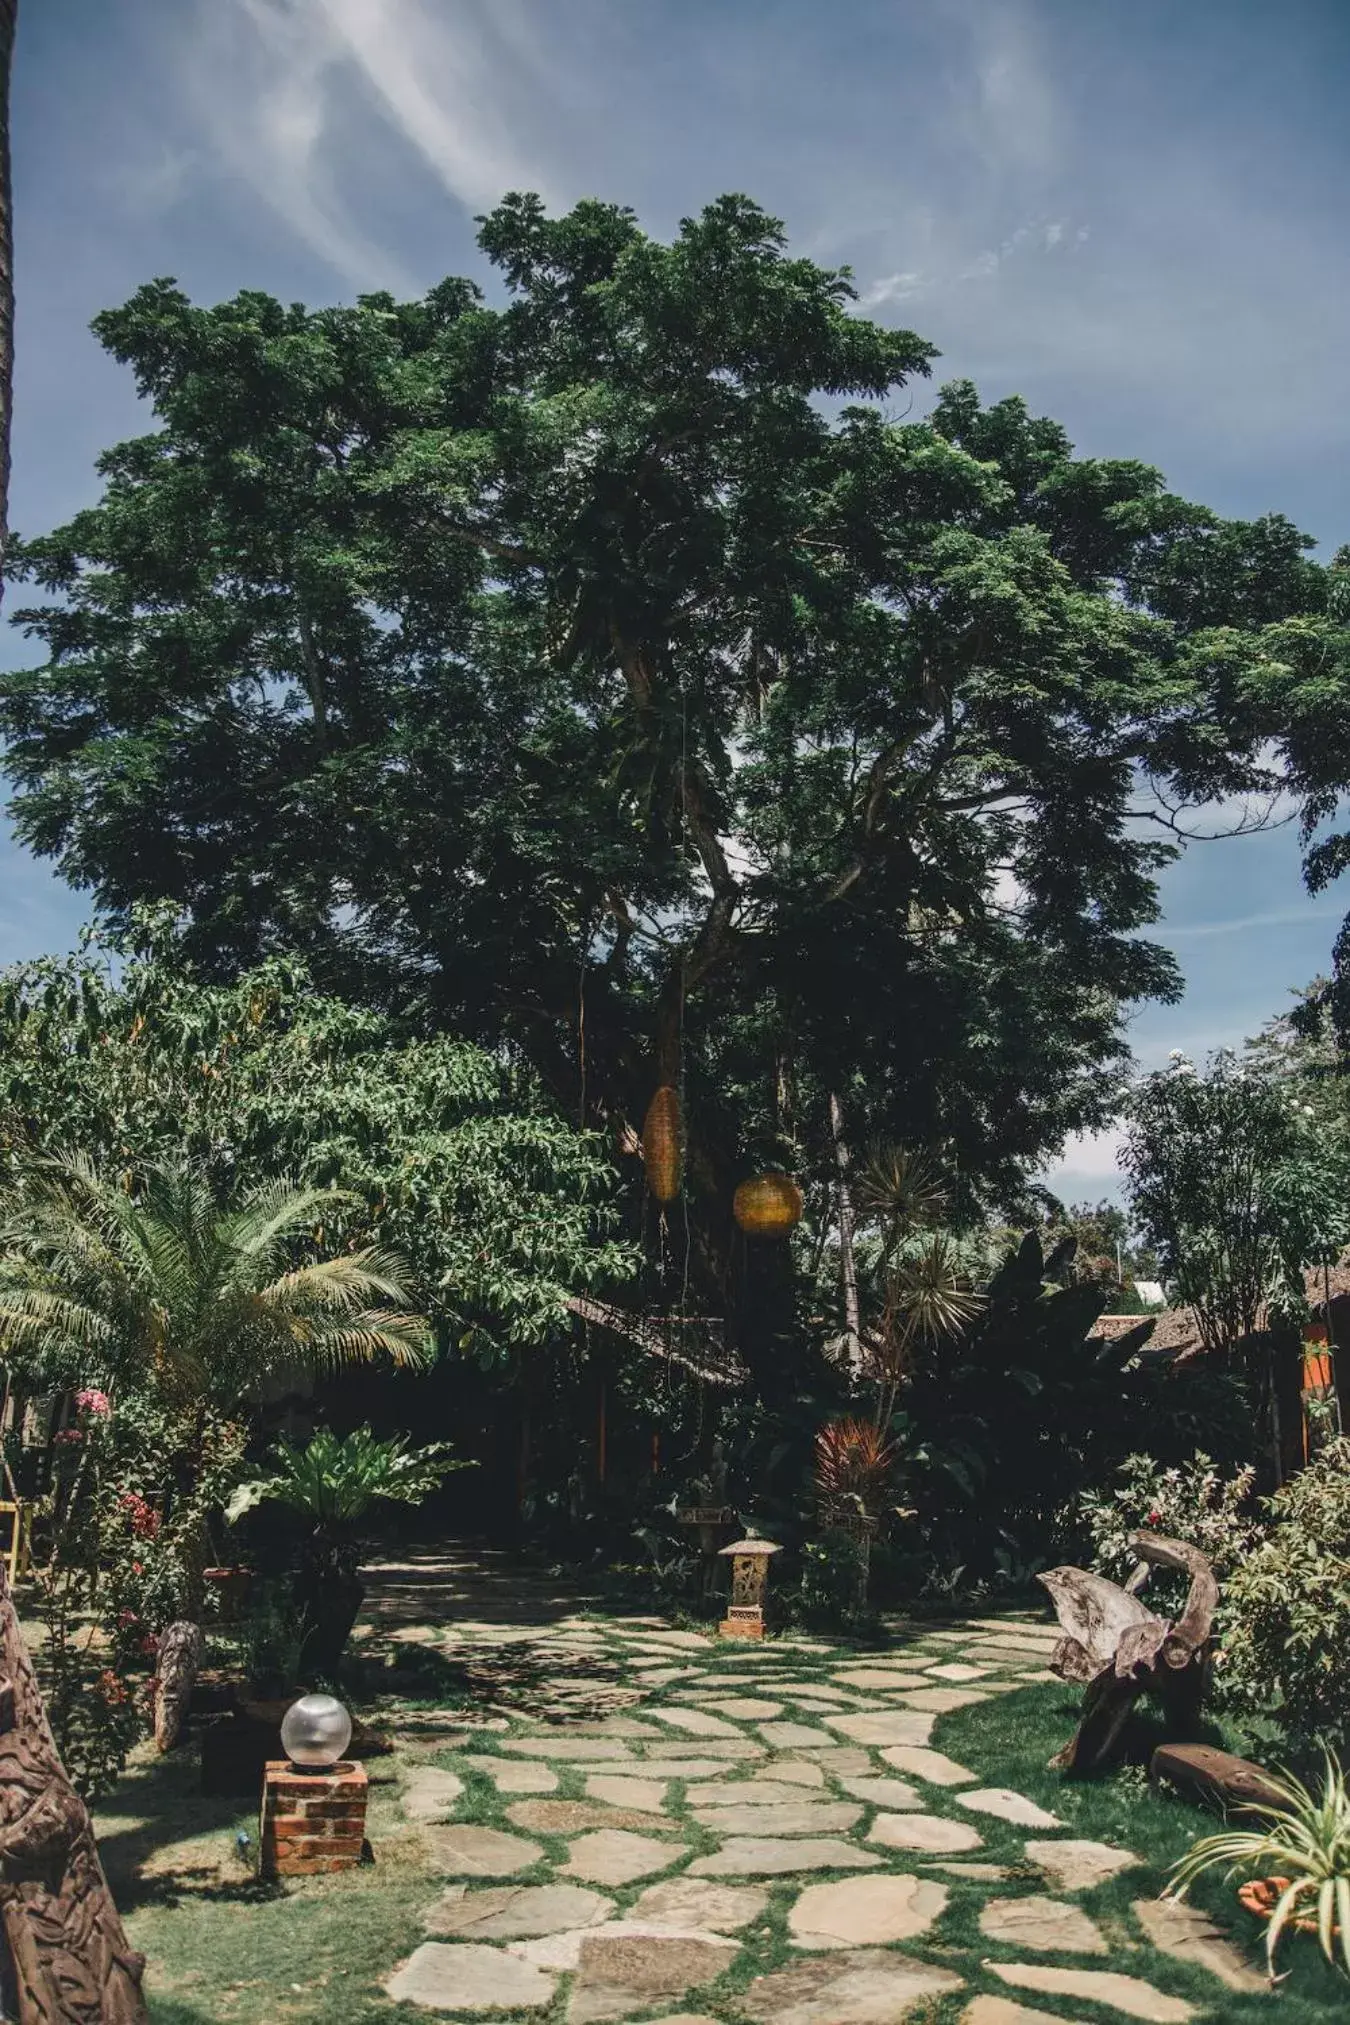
(616, 669)
(452, 1157)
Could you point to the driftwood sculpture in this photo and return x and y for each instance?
(68, 1954)
(1119, 1650)
(180, 1655)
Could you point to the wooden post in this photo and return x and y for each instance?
(847, 1263)
(66, 1943)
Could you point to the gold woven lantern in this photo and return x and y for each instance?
(768, 1206)
(662, 1151)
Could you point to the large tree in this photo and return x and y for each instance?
(618, 671)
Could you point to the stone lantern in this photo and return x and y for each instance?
(749, 1585)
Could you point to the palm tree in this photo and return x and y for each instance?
(160, 1285)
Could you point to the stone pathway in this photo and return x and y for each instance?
(764, 1834)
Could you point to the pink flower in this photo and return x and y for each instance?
(66, 1435)
(1154, 1519)
(136, 1568)
(126, 1618)
(93, 1401)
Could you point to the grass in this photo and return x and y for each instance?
(225, 1947)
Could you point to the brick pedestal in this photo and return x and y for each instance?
(743, 1620)
(311, 1822)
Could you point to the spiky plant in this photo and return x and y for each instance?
(928, 1300)
(853, 1465)
(903, 1188)
(1304, 1846)
(160, 1284)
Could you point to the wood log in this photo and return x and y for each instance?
(67, 1948)
(180, 1655)
(1118, 1649)
(1217, 1777)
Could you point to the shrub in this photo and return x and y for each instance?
(1287, 1650)
(1190, 1501)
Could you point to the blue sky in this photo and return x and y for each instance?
(1131, 213)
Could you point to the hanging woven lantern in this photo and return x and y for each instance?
(768, 1206)
(662, 1152)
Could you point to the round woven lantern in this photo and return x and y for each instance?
(662, 1153)
(768, 1206)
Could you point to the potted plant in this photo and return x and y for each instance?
(332, 1482)
(1301, 1861)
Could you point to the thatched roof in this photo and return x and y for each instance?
(1177, 1331)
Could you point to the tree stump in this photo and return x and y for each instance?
(67, 1948)
(1119, 1649)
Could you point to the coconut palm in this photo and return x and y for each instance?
(157, 1283)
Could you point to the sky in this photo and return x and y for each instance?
(1131, 214)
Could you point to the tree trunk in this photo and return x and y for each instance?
(180, 1655)
(67, 1947)
(848, 1267)
(8, 13)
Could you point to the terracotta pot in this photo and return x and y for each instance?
(1261, 1896)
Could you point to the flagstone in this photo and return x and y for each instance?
(839, 1758)
(857, 1911)
(614, 1856)
(797, 1816)
(696, 1722)
(511, 1775)
(1046, 1924)
(792, 1771)
(620, 1974)
(886, 1726)
(685, 1768)
(663, 1676)
(515, 1911)
(1006, 1805)
(955, 1670)
(863, 1987)
(731, 1748)
(934, 1767)
(893, 1794)
(431, 1793)
(617, 1790)
(1003, 2011)
(878, 1677)
(1080, 1866)
(793, 1736)
(931, 1832)
(973, 1873)
(463, 1977)
(941, 1700)
(697, 1902)
(1189, 1935)
(749, 1708)
(773, 1856)
(465, 1850)
(1129, 1994)
(564, 1817)
(728, 1794)
(570, 1750)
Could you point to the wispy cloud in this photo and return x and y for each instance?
(1278, 917)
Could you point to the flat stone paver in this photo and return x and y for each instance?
(616, 1789)
(567, 1817)
(862, 1987)
(462, 1977)
(861, 1911)
(571, 1750)
(932, 1766)
(1080, 1866)
(1049, 1925)
(894, 1794)
(878, 1677)
(1189, 1935)
(930, 1832)
(746, 1708)
(773, 1856)
(665, 1676)
(784, 1817)
(955, 1670)
(515, 1912)
(696, 1722)
(1003, 2011)
(683, 1768)
(697, 1902)
(973, 1873)
(727, 1793)
(941, 1701)
(730, 1750)
(1006, 1805)
(509, 1775)
(790, 1772)
(881, 1728)
(794, 1736)
(613, 1856)
(1129, 1994)
(468, 1851)
(431, 1794)
(617, 1976)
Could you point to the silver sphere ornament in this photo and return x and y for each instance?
(315, 1731)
